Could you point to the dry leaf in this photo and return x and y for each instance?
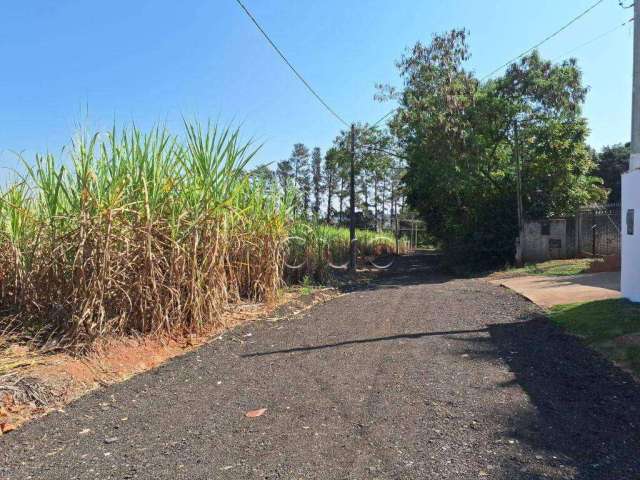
(255, 413)
(7, 427)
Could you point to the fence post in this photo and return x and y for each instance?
(594, 229)
(397, 233)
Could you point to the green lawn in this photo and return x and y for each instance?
(558, 267)
(610, 326)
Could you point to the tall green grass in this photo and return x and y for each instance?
(144, 232)
(317, 250)
(152, 233)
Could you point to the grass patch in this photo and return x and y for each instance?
(610, 326)
(574, 266)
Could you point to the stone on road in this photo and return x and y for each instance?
(416, 376)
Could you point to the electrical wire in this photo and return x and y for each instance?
(383, 118)
(293, 69)
(545, 40)
(585, 44)
(595, 39)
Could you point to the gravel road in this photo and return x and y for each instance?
(416, 376)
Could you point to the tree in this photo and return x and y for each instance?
(262, 173)
(460, 135)
(332, 162)
(370, 146)
(299, 161)
(613, 161)
(316, 177)
(284, 173)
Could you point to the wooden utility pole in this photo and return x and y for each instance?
(352, 203)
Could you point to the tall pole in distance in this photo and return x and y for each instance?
(516, 141)
(352, 203)
(634, 162)
(516, 152)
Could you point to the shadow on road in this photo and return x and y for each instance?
(363, 340)
(419, 268)
(587, 411)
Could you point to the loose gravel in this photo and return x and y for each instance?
(416, 376)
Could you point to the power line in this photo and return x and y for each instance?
(545, 40)
(293, 69)
(585, 44)
(384, 117)
(595, 39)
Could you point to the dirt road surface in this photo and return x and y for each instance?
(417, 376)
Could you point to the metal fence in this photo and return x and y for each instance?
(598, 230)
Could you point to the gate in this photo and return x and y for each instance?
(598, 230)
(411, 230)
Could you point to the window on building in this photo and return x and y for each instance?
(545, 228)
(631, 213)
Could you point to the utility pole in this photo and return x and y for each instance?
(516, 151)
(634, 162)
(394, 209)
(352, 203)
(516, 141)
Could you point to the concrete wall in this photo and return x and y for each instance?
(539, 245)
(631, 243)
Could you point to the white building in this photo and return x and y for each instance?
(631, 232)
(631, 183)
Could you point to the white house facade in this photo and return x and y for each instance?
(631, 231)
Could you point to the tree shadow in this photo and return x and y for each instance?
(419, 268)
(408, 336)
(587, 411)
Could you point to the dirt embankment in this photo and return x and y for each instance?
(33, 383)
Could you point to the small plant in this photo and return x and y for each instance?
(307, 285)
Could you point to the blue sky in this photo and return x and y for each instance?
(67, 62)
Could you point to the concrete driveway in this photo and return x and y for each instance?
(548, 291)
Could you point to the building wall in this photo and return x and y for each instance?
(631, 243)
(547, 240)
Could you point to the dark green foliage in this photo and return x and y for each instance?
(316, 177)
(613, 161)
(284, 173)
(262, 174)
(332, 160)
(459, 137)
(299, 161)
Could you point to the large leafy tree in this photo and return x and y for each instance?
(460, 137)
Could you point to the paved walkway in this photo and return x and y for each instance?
(417, 376)
(554, 290)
